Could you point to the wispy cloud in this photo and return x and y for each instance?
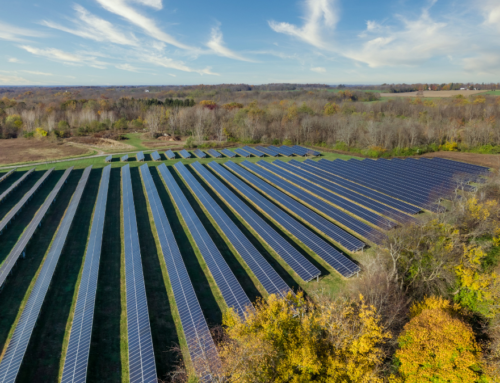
(37, 73)
(487, 63)
(65, 57)
(174, 64)
(92, 27)
(320, 15)
(216, 44)
(127, 67)
(14, 60)
(120, 8)
(491, 11)
(13, 80)
(12, 33)
(319, 69)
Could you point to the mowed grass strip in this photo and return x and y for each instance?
(44, 350)
(106, 363)
(161, 315)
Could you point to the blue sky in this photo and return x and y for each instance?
(143, 42)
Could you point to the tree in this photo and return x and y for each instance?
(437, 346)
(154, 117)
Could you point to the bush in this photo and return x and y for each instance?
(190, 143)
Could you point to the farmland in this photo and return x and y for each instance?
(322, 210)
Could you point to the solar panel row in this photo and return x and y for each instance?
(77, 352)
(266, 275)
(214, 153)
(304, 269)
(301, 151)
(268, 151)
(315, 181)
(339, 235)
(231, 290)
(253, 151)
(314, 168)
(6, 175)
(474, 173)
(286, 150)
(242, 152)
(303, 234)
(200, 344)
(155, 156)
(198, 153)
(170, 154)
(278, 150)
(185, 154)
(124, 158)
(333, 257)
(141, 358)
(15, 184)
(108, 158)
(20, 246)
(13, 357)
(228, 153)
(16, 209)
(140, 156)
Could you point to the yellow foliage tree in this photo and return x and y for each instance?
(294, 340)
(449, 146)
(437, 346)
(330, 109)
(39, 132)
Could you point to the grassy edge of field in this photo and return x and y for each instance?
(91, 152)
(123, 298)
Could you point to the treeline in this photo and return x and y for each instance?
(402, 88)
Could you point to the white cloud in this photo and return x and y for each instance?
(92, 27)
(320, 15)
(151, 3)
(216, 44)
(13, 80)
(120, 8)
(318, 69)
(491, 11)
(13, 33)
(173, 75)
(37, 73)
(174, 64)
(14, 60)
(65, 57)
(127, 67)
(486, 63)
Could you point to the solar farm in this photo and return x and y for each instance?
(103, 269)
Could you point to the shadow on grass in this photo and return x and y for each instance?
(42, 358)
(208, 303)
(105, 364)
(160, 313)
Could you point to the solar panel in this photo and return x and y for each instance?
(124, 158)
(155, 156)
(228, 153)
(229, 286)
(301, 151)
(141, 358)
(20, 246)
(329, 254)
(278, 150)
(13, 357)
(242, 152)
(140, 156)
(185, 154)
(5, 176)
(198, 153)
(199, 341)
(286, 150)
(268, 151)
(77, 352)
(253, 151)
(214, 153)
(108, 158)
(170, 154)
(266, 275)
(16, 209)
(339, 235)
(15, 184)
(304, 269)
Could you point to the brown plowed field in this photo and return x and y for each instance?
(489, 160)
(24, 150)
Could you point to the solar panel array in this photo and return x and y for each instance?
(301, 151)
(266, 275)
(304, 269)
(170, 154)
(336, 233)
(21, 244)
(77, 352)
(253, 151)
(314, 181)
(268, 151)
(198, 153)
(314, 168)
(214, 153)
(286, 150)
(6, 175)
(155, 156)
(124, 158)
(108, 158)
(16, 209)
(231, 290)
(228, 153)
(15, 184)
(141, 358)
(140, 156)
(280, 151)
(329, 254)
(13, 357)
(199, 341)
(185, 154)
(242, 153)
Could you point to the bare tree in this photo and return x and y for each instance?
(154, 116)
(29, 117)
